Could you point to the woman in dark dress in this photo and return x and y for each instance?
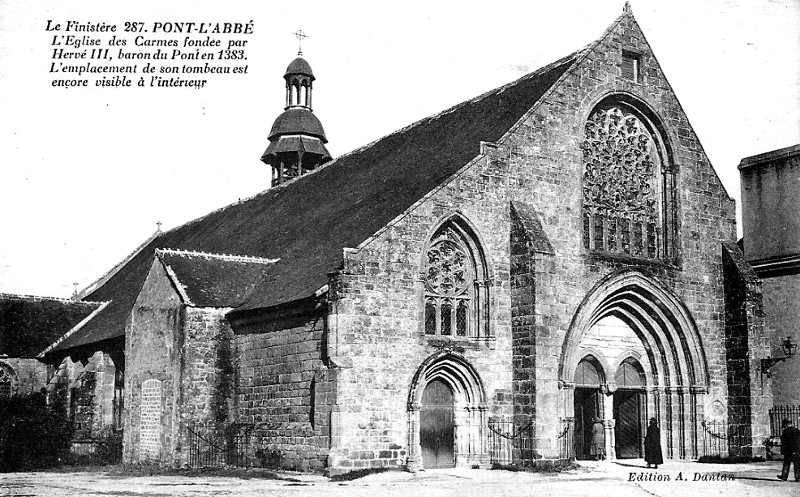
(652, 445)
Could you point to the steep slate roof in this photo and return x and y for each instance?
(29, 324)
(307, 222)
(213, 280)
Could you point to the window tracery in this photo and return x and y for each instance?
(622, 191)
(455, 286)
(448, 281)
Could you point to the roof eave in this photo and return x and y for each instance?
(74, 330)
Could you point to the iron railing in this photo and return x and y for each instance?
(514, 444)
(722, 439)
(778, 413)
(211, 446)
(509, 443)
(566, 438)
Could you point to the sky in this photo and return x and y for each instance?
(86, 173)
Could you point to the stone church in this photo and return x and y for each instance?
(548, 253)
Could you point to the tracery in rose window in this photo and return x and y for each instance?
(448, 286)
(447, 268)
(620, 190)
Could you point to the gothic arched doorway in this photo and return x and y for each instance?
(668, 379)
(446, 414)
(588, 404)
(437, 426)
(630, 409)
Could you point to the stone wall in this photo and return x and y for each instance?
(208, 374)
(377, 328)
(185, 355)
(770, 204)
(782, 318)
(153, 341)
(770, 183)
(92, 397)
(86, 393)
(749, 399)
(27, 375)
(283, 390)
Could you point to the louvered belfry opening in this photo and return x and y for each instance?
(297, 139)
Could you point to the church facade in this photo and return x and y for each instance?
(549, 253)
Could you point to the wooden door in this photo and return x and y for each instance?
(437, 428)
(587, 407)
(628, 413)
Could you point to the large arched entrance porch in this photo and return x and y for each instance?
(633, 352)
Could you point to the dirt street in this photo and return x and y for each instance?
(620, 479)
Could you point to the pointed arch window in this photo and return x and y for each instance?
(456, 296)
(628, 185)
(6, 381)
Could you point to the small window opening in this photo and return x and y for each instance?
(461, 319)
(631, 66)
(430, 318)
(447, 319)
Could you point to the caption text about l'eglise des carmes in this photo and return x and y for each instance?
(145, 54)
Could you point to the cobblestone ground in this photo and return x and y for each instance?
(619, 479)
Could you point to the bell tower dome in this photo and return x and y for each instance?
(297, 140)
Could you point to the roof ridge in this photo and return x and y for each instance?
(578, 57)
(111, 272)
(45, 297)
(451, 109)
(278, 188)
(227, 257)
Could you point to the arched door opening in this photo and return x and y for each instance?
(437, 426)
(630, 410)
(643, 327)
(446, 414)
(588, 404)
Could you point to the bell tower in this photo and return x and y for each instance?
(297, 139)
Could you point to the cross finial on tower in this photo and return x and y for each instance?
(300, 35)
(158, 226)
(75, 290)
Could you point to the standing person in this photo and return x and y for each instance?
(652, 445)
(790, 448)
(598, 447)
